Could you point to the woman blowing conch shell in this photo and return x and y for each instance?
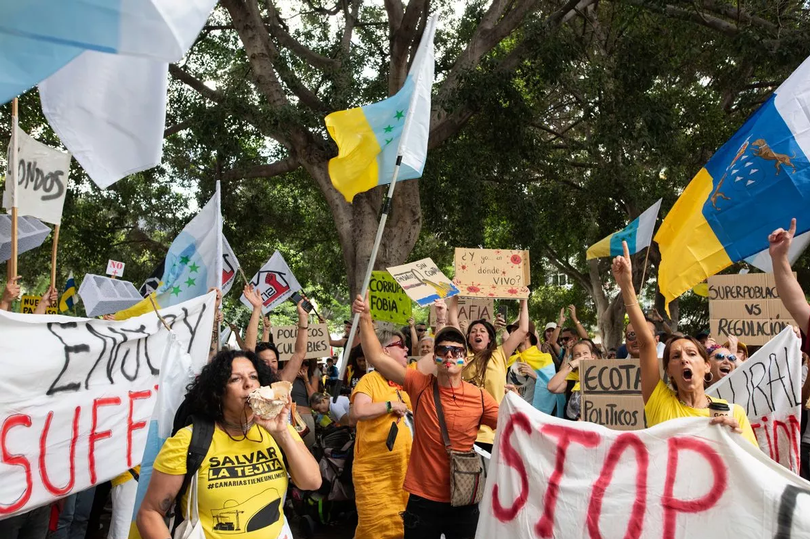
(268, 401)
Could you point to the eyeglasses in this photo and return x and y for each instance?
(721, 356)
(455, 351)
(630, 336)
(397, 344)
(565, 339)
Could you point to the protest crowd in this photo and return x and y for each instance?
(150, 416)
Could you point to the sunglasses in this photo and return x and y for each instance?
(565, 339)
(630, 336)
(397, 344)
(455, 351)
(721, 356)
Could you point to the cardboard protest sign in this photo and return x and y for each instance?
(275, 282)
(746, 306)
(423, 281)
(768, 386)
(317, 341)
(680, 479)
(42, 176)
(115, 268)
(494, 273)
(28, 304)
(388, 300)
(77, 415)
(471, 309)
(611, 393)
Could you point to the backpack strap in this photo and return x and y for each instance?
(202, 433)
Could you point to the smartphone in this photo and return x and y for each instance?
(392, 436)
(502, 311)
(296, 297)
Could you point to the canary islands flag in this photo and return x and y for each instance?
(193, 264)
(371, 138)
(67, 296)
(754, 184)
(638, 235)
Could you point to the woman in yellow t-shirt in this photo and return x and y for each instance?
(685, 362)
(486, 367)
(242, 481)
(378, 473)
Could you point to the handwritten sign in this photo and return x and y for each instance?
(423, 281)
(42, 176)
(317, 341)
(115, 268)
(768, 387)
(611, 393)
(746, 306)
(78, 415)
(470, 309)
(493, 273)
(680, 479)
(28, 304)
(388, 300)
(276, 283)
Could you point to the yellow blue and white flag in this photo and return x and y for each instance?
(638, 235)
(193, 264)
(754, 184)
(370, 138)
(67, 296)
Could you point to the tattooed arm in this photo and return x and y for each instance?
(158, 502)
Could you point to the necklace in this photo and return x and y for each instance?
(708, 402)
(244, 428)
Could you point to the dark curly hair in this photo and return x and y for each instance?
(481, 359)
(204, 396)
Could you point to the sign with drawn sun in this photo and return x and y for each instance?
(492, 273)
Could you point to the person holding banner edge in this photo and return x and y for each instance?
(685, 362)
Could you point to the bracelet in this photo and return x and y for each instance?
(303, 327)
(388, 406)
(630, 305)
(441, 321)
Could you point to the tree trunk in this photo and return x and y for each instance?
(609, 312)
(357, 224)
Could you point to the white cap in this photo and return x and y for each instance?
(550, 325)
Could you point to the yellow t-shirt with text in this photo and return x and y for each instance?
(664, 405)
(494, 384)
(240, 484)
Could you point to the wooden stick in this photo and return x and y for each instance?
(53, 255)
(644, 272)
(12, 177)
(162, 320)
(242, 273)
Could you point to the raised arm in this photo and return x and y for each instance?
(290, 370)
(580, 330)
(414, 336)
(10, 293)
(252, 331)
(555, 337)
(266, 325)
(558, 382)
(235, 331)
(51, 297)
(372, 348)
(623, 273)
(517, 336)
(788, 288)
(452, 313)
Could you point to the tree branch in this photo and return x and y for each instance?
(278, 168)
(567, 268)
(285, 39)
(195, 83)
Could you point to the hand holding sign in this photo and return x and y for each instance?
(11, 293)
(780, 239)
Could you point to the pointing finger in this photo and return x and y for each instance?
(792, 230)
(626, 250)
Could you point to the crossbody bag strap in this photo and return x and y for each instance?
(483, 409)
(440, 414)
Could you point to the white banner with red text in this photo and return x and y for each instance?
(684, 478)
(768, 386)
(76, 396)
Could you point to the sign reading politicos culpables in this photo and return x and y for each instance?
(611, 393)
(746, 306)
(768, 387)
(317, 341)
(388, 301)
(42, 177)
(680, 479)
(493, 273)
(76, 416)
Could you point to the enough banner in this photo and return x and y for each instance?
(78, 394)
(768, 387)
(684, 478)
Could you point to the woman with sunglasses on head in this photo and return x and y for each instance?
(723, 362)
(382, 447)
(486, 364)
(464, 408)
(685, 362)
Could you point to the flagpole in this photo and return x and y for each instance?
(12, 177)
(386, 207)
(53, 255)
(644, 272)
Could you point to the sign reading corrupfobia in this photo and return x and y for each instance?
(388, 301)
(611, 393)
(746, 306)
(317, 341)
(768, 387)
(77, 415)
(683, 478)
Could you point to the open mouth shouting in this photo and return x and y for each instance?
(687, 374)
(725, 370)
